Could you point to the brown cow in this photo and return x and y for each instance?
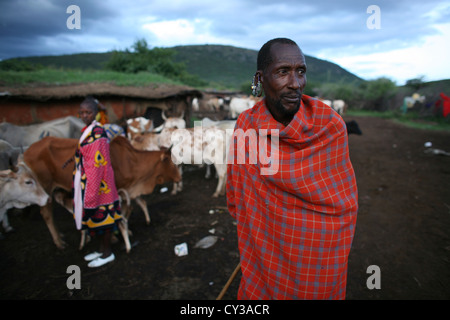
(137, 172)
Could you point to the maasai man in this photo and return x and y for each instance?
(296, 222)
(96, 201)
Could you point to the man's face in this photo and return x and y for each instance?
(283, 81)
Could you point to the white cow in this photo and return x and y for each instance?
(173, 122)
(159, 137)
(214, 104)
(239, 105)
(200, 142)
(152, 141)
(338, 106)
(139, 125)
(19, 188)
(202, 145)
(327, 102)
(195, 105)
(222, 124)
(211, 105)
(227, 125)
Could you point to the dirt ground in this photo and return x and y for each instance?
(403, 228)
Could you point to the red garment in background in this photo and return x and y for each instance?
(445, 104)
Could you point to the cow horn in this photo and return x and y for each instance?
(13, 166)
(163, 115)
(6, 175)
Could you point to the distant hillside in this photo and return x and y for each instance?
(223, 65)
(217, 64)
(84, 61)
(233, 66)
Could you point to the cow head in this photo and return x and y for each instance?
(138, 126)
(173, 122)
(169, 170)
(20, 188)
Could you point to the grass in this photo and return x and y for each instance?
(63, 76)
(410, 119)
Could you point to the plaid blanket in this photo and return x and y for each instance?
(296, 225)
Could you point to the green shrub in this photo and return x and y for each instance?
(156, 60)
(18, 65)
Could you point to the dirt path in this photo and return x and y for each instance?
(404, 216)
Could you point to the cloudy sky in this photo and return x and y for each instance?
(401, 39)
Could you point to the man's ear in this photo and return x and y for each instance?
(259, 75)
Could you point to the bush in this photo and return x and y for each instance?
(156, 60)
(378, 93)
(18, 65)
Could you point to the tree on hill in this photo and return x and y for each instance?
(157, 60)
(416, 83)
(17, 65)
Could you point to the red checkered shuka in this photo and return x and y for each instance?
(295, 224)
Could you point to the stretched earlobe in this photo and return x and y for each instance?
(256, 85)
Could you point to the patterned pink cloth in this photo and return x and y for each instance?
(100, 200)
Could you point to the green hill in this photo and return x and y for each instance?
(83, 61)
(231, 66)
(219, 65)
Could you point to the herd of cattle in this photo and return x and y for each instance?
(34, 161)
(237, 105)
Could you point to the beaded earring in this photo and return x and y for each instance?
(256, 88)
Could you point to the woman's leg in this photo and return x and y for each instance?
(105, 244)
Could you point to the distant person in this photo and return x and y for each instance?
(96, 201)
(295, 225)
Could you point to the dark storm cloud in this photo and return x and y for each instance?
(25, 24)
(325, 28)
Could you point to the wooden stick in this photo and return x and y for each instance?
(225, 288)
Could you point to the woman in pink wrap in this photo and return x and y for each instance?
(96, 201)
